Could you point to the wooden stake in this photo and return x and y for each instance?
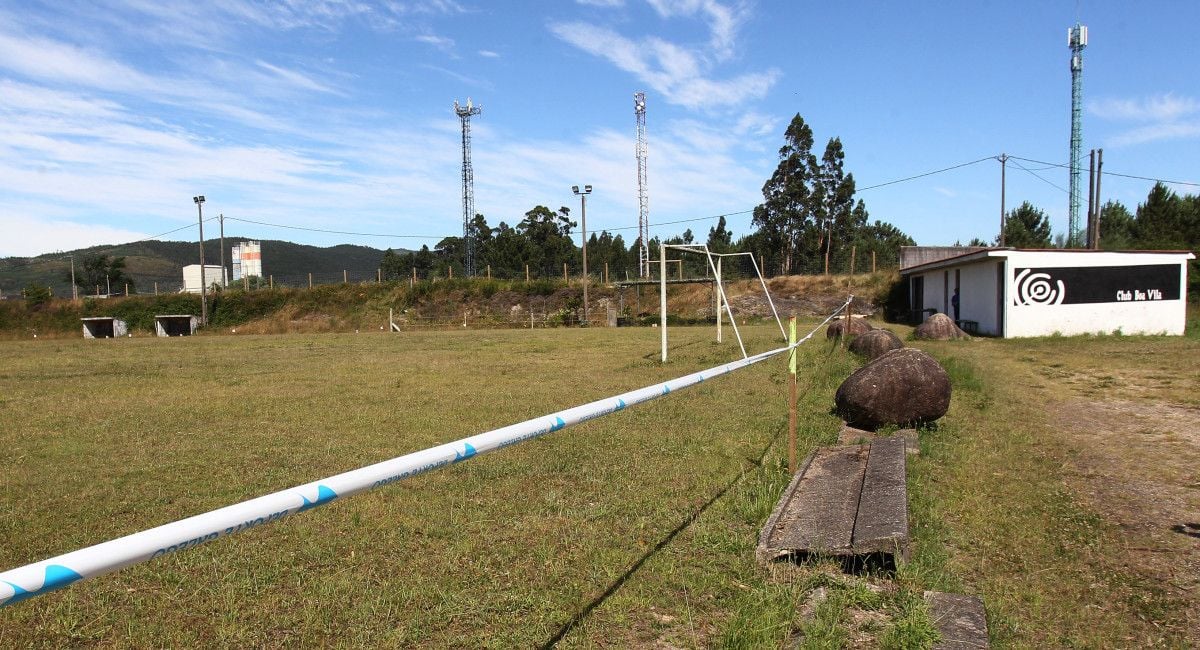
(606, 273)
(414, 278)
(451, 269)
(310, 280)
(156, 288)
(853, 250)
(526, 274)
(379, 276)
(345, 277)
(872, 261)
(271, 279)
(792, 396)
(566, 278)
(489, 268)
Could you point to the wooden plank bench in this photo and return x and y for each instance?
(848, 500)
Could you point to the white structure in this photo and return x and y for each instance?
(104, 327)
(1014, 293)
(213, 274)
(247, 260)
(175, 324)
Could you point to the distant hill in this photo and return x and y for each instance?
(148, 262)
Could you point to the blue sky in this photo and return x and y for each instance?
(337, 114)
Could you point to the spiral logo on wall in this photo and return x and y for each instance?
(1038, 289)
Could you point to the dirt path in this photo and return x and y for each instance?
(1137, 463)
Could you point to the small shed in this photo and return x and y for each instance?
(175, 325)
(1014, 293)
(103, 327)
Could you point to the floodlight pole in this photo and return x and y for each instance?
(587, 189)
(224, 278)
(199, 201)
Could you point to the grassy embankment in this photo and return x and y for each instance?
(440, 303)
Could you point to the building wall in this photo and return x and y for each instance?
(1136, 312)
(191, 276)
(1068, 293)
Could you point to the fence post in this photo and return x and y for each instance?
(853, 250)
(310, 280)
(414, 278)
(872, 261)
(271, 279)
(156, 288)
(566, 278)
(489, 268)
(126, 289)
(345, 277)
(379, 276)
(792, 396)
(451, 270)
(526, 274)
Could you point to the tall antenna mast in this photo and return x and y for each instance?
(639, 110)
(464, 114)
(1076, 40)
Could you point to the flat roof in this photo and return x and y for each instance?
(174, 315)
(974, 256)
(100, 318)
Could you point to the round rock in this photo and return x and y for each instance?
(902, 387)
(875, 343)
(840, 328)
(939, 327)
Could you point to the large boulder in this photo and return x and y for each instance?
(839, 328)
(902, 387)
(875, 343)
(939, 327)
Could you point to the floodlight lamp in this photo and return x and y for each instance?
(575, 189)
(198, 199)
(587, 189)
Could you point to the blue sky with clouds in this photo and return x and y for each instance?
(337, 114)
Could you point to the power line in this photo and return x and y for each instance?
(936, 171)
(1108, 173)
(1038, 176)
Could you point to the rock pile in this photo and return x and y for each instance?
(939, 327)
(875, 343)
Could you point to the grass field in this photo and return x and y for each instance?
(636, 529)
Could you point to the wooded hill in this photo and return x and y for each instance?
(148, 262)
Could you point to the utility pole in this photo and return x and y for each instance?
(224, 278)
(199, 201)
(587, 189)
(74, 289)
(1003, 167)
(1095, 243)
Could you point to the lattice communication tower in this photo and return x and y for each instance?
(639, 110)
(1076, 40)
(464, 114)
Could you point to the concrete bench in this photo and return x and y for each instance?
(848, 501)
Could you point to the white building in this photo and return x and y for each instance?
(1014, 293)
(213, 274)
(247, 260)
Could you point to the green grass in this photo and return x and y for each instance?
(635, 529)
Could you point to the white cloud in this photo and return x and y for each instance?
(1159, 108)
(1155, 132)
(602, 3)
(37, 236)
(297, 79)
(1165, 117)
(488, 54)
(723, 21)
(677, 73)
(440, 42)
(945, 191)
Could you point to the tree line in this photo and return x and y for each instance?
(809, 222)
(1165, 221)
